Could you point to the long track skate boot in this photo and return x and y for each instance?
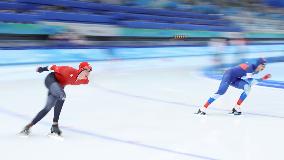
(55, 130)
(236, 112)
(26, 131)
(200, 112)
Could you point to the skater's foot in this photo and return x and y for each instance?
(26, 131)
(200, 112)
(55, 130)
(236, 112)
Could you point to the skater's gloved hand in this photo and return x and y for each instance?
(42, 69)
(267, 76)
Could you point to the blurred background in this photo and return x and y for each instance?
(154, 63)
(219, 28)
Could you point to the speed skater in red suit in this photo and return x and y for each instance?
(55, 82)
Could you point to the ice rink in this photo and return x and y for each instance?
(141, 110)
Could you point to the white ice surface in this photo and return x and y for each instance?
(142, 113)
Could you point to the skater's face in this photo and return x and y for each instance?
(260, 67)
(84, 74)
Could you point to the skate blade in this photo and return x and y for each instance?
(22, 135)
(55, 136)
(201, 115)
(198, 114)
(232, 114)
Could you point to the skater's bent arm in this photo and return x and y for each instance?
(47, 68)
(81, 81)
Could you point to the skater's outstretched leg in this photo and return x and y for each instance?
(51, 100)
(223, 87)
(56, 93)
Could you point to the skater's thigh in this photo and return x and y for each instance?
(51, 101)
(57, 91)
(239, 83)
(224, 84)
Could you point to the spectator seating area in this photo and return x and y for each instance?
(33, 11)
(256, 21)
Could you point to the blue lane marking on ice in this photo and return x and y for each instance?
(95, 135)
(179, 103)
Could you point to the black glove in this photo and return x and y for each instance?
(42, 69)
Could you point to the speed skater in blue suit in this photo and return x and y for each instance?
(240, 77)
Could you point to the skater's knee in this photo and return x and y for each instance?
(57, 91)
(221, 92)
(62, 96)
(222, 89)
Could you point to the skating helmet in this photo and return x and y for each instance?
(85, 66)
(261, 61)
